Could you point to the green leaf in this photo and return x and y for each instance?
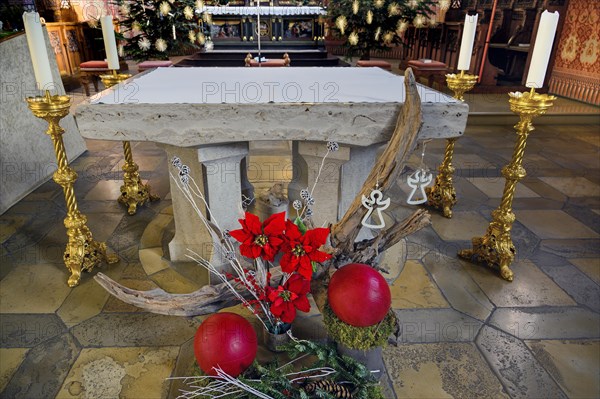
(301, 226)
(315, 266)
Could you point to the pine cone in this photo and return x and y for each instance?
(329, 386)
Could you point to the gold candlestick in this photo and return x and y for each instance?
(495, 248)
(82, 252)
(442, 194)
(133, 191)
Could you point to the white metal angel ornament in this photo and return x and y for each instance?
(375, 203)
(420, 179)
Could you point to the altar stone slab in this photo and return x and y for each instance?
(187, 107)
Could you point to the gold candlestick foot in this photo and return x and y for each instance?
(442, 194)
(496, 248)
(134, 193)
(82, 253)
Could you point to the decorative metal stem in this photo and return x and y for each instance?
(133, 191)
(82, 252)
(496, 248)
(442, 194)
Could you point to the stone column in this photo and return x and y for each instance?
(190, 232)
(355, 172)
(223, 178)
(307, 158)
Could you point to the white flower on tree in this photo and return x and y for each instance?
(192, 36)
(124, 9)
(144, 44)
(164, 8)
(341, 22)
(402, 26)
(188, 13)
(161, 45)
(419, 21)
(136, 27)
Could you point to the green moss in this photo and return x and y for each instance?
(375, 392)
(362, 338)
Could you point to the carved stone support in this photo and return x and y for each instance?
(307, 159)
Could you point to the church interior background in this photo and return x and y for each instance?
(465, 330)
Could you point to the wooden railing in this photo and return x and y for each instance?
(440, 43)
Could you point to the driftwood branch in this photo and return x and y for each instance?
(384, 174)
(206, 300)
(367, 250)
(386, 171)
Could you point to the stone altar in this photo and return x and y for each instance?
(207, 116)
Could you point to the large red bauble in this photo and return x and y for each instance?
(226, 340)
(359, 295)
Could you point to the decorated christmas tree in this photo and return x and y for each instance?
(156, 28)
(376, 24)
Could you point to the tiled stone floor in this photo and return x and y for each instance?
(465, 333)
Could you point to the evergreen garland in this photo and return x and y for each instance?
(351, 379)
(147, 27)
(375, 24)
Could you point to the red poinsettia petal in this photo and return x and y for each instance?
(275, 224)
(278, 307)
(298, 285)
(256, 251)
(275, 241)
(241, 235)
(289, 314)
(247, 251)
(287, 264)
(292, 232)
(305, 268)
(274, 293)
(319, 256)
(302, 303)
(318, 236)
(253, 223)
(268, 253)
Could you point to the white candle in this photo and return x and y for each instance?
(466, 44)
(174, 33)
(38, 51)
(110, 44)
(542, 49)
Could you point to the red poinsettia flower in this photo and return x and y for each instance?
(301, 250)
(260, 240)
(289, 297)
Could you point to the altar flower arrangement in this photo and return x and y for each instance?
(270, 263)
(276, 300)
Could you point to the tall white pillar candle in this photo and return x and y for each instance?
(38, 51)
(466, 44)
(110, 44)
(542, 49)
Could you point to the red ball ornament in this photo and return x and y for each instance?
(359, 295)
(226, 340)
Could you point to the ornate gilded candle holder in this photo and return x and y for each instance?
(442, 194)
(82, 252)
(495, 248)
(134, 193)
